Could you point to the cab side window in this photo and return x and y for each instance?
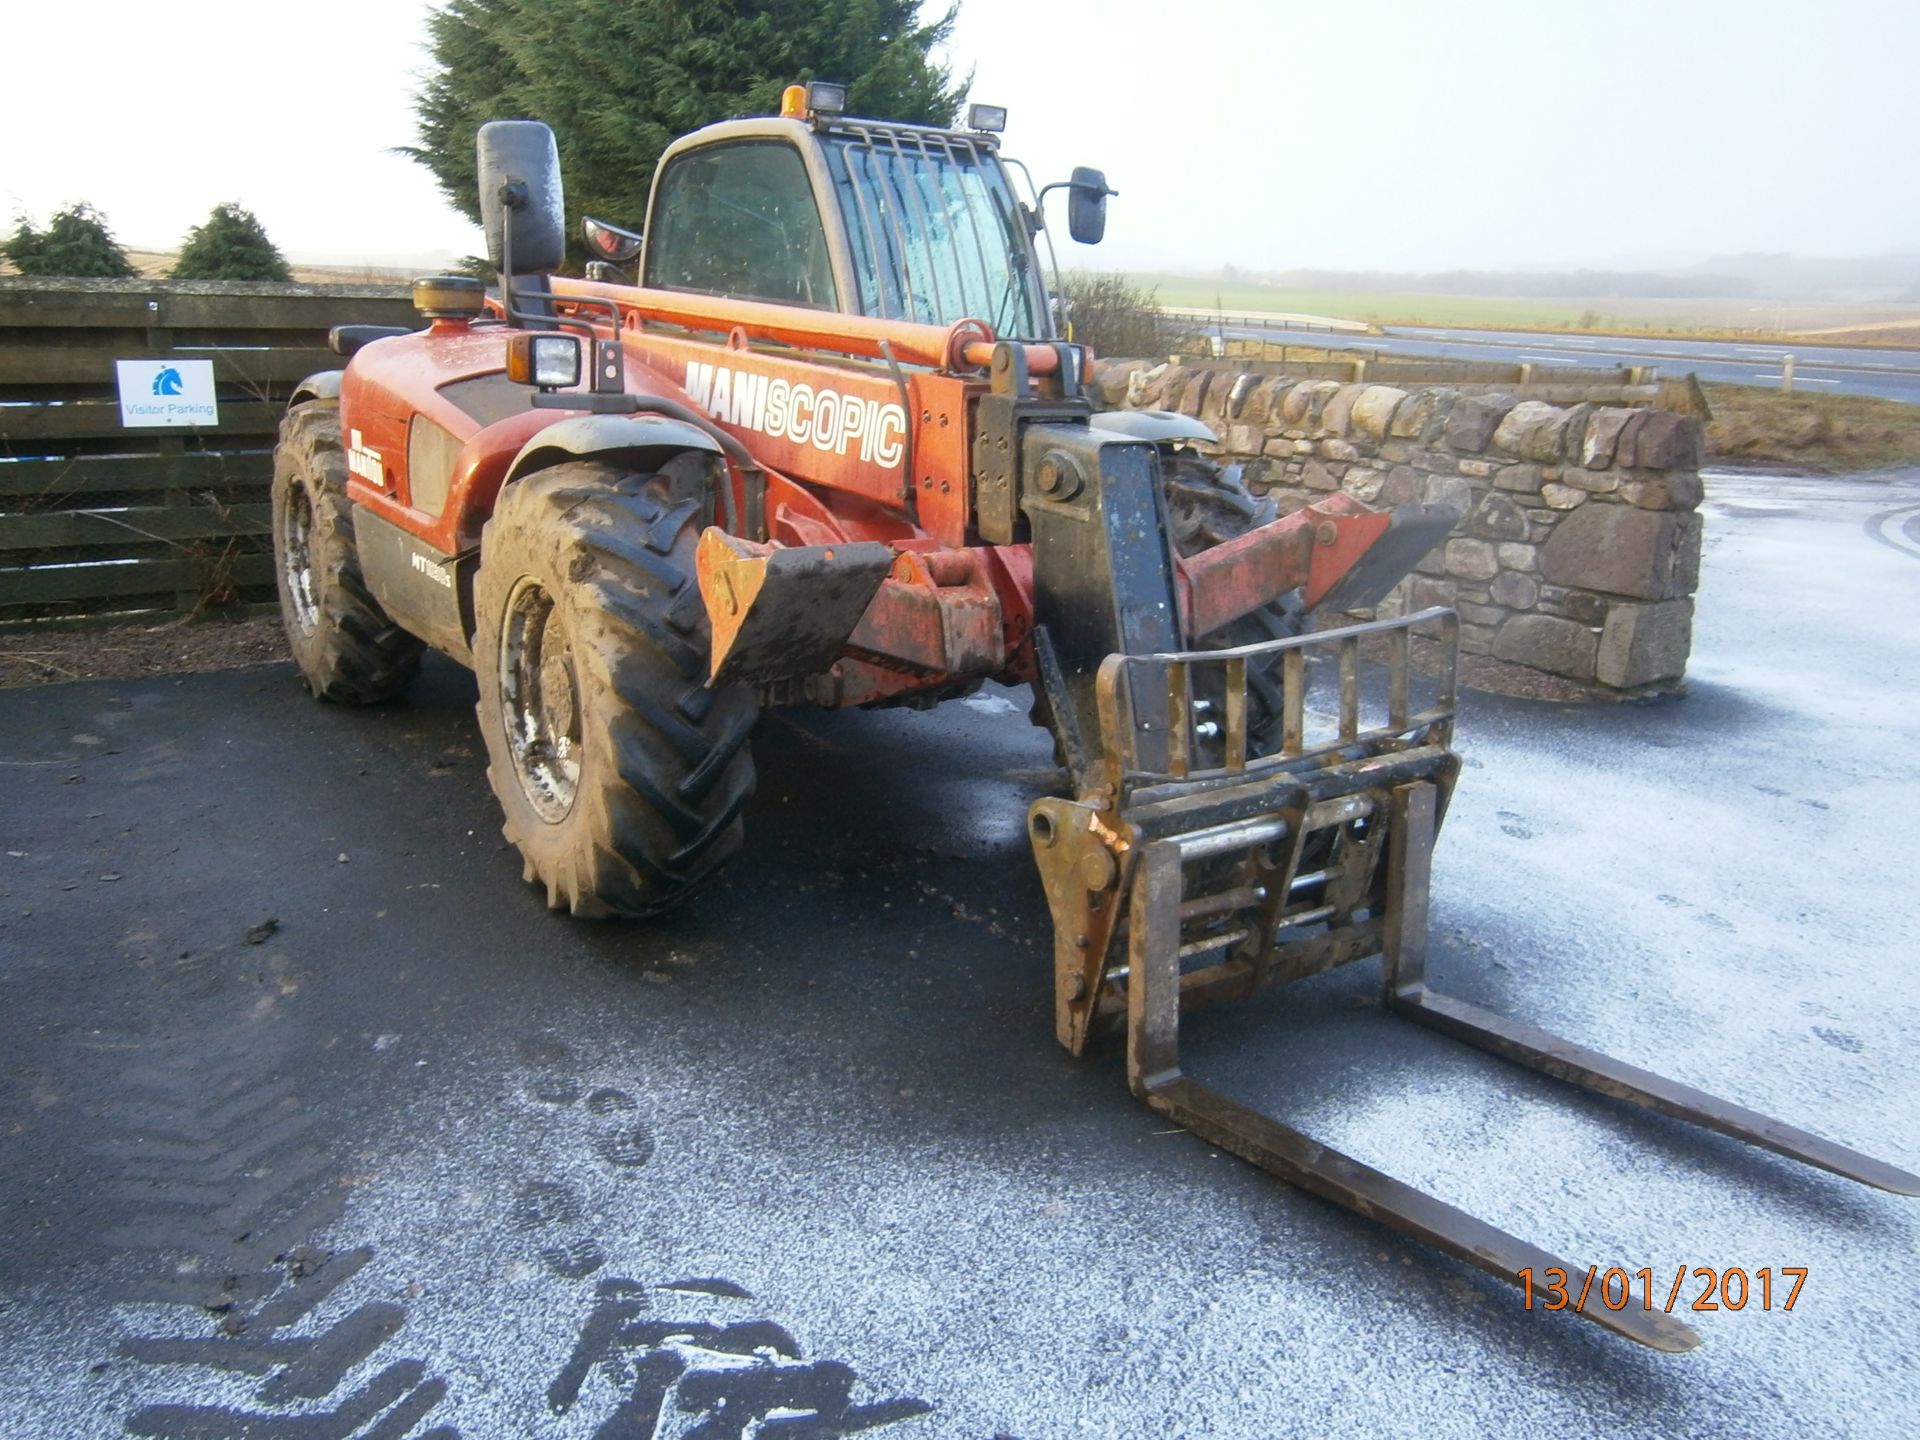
(740, 220)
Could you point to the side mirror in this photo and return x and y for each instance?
(520, 200)
(610, 242)
(1087, 196)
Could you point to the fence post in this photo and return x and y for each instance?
(1786, 374)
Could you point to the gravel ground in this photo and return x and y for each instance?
(127, 652)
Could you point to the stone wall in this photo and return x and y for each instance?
(1579, 547)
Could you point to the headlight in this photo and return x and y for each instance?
(556, 361)
(551, 362)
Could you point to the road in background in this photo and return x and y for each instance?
(1822, 370)
(317, 1123)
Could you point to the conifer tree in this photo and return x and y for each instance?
(618, 79)
(76, 243)
(231, 245)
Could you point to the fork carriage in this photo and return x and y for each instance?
(1193, 870)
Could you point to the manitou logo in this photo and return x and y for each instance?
(831, 421)
(366, 463)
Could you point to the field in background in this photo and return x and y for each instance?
(1865, 324)
(154, 265)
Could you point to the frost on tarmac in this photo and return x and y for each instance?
(827, 1173)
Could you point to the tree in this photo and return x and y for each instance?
(76, 243)
(231, 245)
(618, 79)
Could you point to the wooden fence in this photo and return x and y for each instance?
(99, 522)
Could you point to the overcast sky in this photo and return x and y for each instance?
(1362, 133)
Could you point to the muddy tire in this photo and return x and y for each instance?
(620, 774)
(1208, 505)
(345, 646)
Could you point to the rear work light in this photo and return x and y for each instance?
(552, 362)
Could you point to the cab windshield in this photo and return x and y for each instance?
(935, 231)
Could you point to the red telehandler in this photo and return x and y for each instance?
(832, 450)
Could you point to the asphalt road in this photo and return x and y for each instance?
(317, 1124)
(1821, 370)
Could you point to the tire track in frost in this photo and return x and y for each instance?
(683, 1360)
(1907, 542)
(219, 1165)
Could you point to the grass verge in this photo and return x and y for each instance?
(1814, 432)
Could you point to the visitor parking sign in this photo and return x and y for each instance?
(167, 392)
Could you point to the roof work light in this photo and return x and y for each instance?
(816, 97)
(988, 119)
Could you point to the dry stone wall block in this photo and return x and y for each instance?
(1594, 482)
(1621, 550)
(1574, 432)
(1193, 394)
(1363, 485)
(1449, 490)
(1497, 518)
(1317, 477)
(1667, 441)
(1471, 560)
(1522, 479)
(1642, 644)
(1373, 410)
(1672, 490)
(1602, 435)
(1546, 642)
(1532, 430)
(1402, 487)
(1415, 414)
(1474, 420)
(1334, 419)
(1245, 439)
(1515, 591)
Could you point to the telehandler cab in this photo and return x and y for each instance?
(832, 450)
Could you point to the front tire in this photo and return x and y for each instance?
(1208, 505)
(620, 774)
(346, 647)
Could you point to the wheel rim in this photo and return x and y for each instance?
(540, 701)
(296, 558)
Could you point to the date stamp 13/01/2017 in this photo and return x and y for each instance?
(1695, 1287)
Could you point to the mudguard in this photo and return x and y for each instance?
(323, 385)
(1156, 427)
(647, 438)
